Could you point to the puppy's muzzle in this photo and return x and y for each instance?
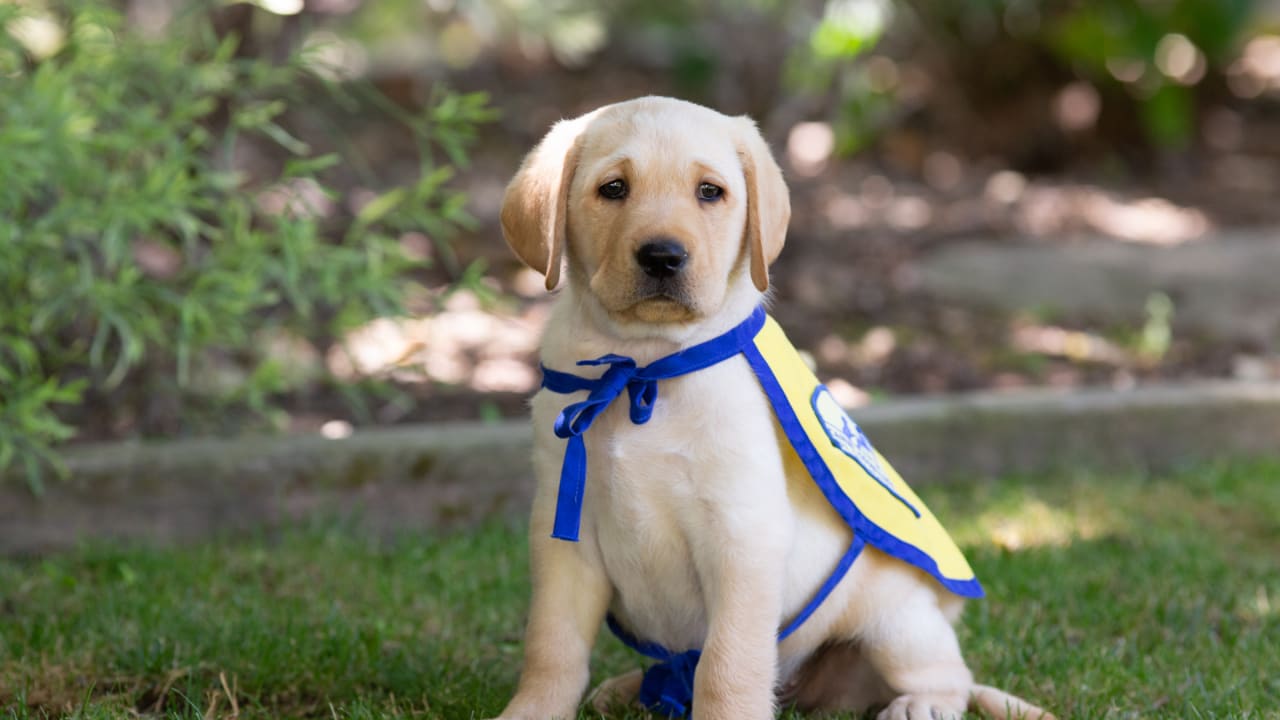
(661, 258)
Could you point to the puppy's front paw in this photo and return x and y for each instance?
(924, 707)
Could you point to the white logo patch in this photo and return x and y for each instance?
(847, 436)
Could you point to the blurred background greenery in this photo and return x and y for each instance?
(281, 214)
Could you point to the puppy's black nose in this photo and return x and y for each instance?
(661, 257)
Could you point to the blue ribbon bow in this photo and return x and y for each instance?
(667, 685)
(641, 384)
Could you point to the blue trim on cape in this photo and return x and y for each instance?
(821, 474)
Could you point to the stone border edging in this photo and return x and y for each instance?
(452, 475)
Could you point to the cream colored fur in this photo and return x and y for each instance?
(691, 533)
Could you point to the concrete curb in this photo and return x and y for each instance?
(453, 475)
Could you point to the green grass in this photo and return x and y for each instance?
(1109, 597)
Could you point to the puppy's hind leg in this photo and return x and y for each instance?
(911, 644)
(836, 678)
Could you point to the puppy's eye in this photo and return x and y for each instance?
(710, 193)
(613, 190)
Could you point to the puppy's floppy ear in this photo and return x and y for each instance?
(533, 209)
(768, 202)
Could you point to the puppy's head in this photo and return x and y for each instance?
(660, 206)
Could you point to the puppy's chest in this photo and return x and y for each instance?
(648, 469)
(664, 495)
(690, 450)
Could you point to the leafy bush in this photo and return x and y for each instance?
(133, 245)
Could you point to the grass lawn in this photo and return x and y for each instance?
(1116, 596)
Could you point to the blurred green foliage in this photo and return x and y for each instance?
(1154, 60)
(1098, 38)
(1154, 54)
(831, 63)
(1149, 58)
(131, 246)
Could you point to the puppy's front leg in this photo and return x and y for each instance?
(570, 597)
(738, 669)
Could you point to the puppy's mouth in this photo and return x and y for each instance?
(660, 302)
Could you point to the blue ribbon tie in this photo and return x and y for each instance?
(641, 384)
(667, 687)
(574, 420)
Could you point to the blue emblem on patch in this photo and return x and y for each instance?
(847, 436)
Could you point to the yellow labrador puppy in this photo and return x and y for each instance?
(674, 514)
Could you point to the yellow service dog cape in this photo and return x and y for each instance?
(864, 489)
(858, 482)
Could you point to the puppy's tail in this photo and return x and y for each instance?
(1003, 706)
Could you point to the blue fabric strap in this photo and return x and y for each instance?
(641, 384)
(667, 686)
(842, 568)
